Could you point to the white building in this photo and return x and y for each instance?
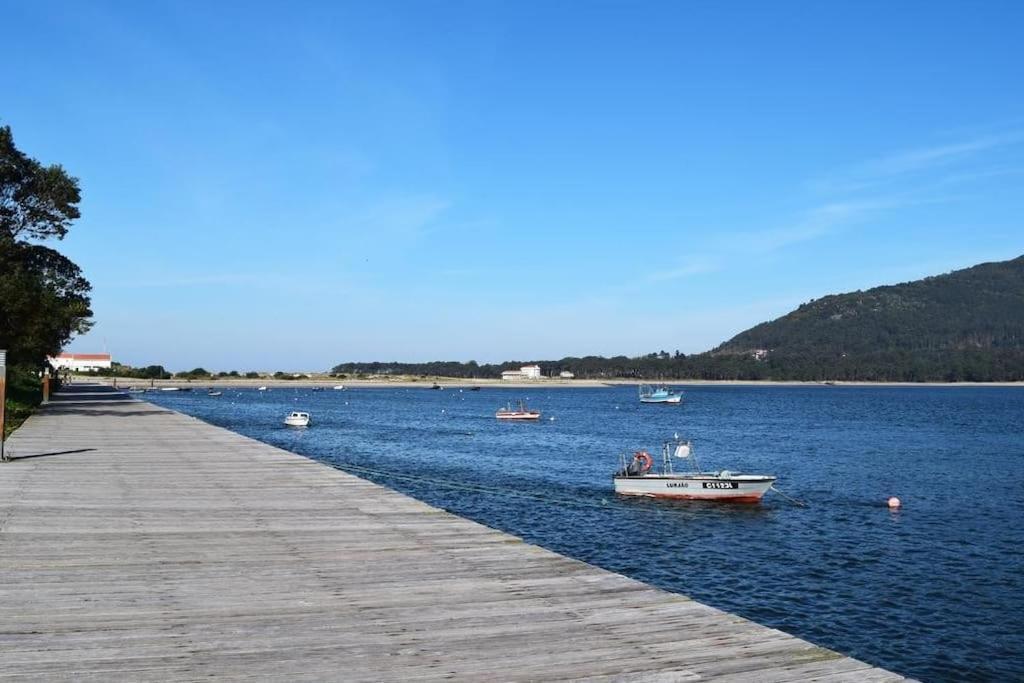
(525, 372)
(80, 362)
(530, 371)
(565, 374)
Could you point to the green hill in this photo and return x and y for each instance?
(965, 325)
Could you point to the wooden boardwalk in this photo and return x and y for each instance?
(139, 544)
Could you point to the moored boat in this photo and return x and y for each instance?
(211, 392)
(519, 412)
(339, 387)
(261, 389)
(661, 394)
(635, 478)
(297, 419)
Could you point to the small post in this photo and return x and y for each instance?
(3, 399)
(46, 386)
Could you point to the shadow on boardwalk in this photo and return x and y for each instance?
(44, 455)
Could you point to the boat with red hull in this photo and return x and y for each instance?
(519, 412)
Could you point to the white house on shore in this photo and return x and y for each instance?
(565, 374)
(525, 372)
(80, 362)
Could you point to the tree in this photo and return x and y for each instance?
(44, 299)
(44, 302)
(36, 201)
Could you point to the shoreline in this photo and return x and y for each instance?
(458, 383)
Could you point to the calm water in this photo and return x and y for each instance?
(935, 590)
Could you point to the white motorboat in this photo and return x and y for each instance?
(636, 479)
(170, 388)
(261, 389)
(520, 412)
(297, 419)
(340, 387)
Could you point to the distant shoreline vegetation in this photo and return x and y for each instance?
(949, 366)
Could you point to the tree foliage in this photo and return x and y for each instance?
(36, 201)
(44, 298)
(44, 302)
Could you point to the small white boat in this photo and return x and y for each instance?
(211, 392)
(170, 388)
(297, 419)
(261, 389)
(340, 387)
(520, 412)
(636, 479)
(662, 394)
(136, 390)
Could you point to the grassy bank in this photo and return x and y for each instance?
(24, 393)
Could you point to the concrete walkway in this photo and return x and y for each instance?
(140, 544)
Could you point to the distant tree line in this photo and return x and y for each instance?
(887, 366)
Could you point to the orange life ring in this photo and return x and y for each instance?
(645, 459)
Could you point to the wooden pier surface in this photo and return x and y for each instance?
(139, 544)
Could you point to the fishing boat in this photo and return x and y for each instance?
(211, 392)
(635, 478)
(297, 419)
(519, 412)
(662, 394)
(340, 387)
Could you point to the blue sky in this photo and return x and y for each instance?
(288, 187)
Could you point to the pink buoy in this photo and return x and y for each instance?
(894, 502)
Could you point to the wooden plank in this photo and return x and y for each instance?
(137, 543)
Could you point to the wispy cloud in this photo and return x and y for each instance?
(911, 162)
(392, 221)
(690, 267)
(928, 157)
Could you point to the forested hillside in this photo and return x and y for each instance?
(963, 326)
(968, 324)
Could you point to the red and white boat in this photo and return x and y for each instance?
(636, 479)
(520, 412)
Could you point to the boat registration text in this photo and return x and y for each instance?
(706, 484)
